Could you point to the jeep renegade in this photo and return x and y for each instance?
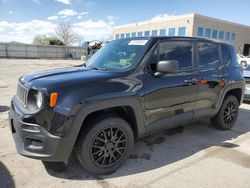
(130, 88)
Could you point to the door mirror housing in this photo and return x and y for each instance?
(166, 67)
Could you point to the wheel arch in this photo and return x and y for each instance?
(130, 106)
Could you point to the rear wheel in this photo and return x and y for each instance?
(227, 115)
(104, 146)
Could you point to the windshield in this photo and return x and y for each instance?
(119, 55)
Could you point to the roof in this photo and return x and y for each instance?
(179, 38)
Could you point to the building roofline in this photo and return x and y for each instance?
(175, 17)
(220, 20)
(170, 18)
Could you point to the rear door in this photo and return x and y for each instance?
(211, 76)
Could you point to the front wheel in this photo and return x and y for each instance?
(103, 147)
(227, 115)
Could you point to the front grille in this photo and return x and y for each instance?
(22, 94)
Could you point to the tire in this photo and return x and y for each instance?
(243, 64)
(98, 151)
(227, 115)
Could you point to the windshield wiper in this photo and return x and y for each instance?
(98, 68)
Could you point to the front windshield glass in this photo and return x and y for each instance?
(119, 55)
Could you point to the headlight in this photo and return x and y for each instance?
(39, 99)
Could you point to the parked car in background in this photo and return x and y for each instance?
(243, 60)
(246, 75)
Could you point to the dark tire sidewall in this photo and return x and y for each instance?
(85, 156)
(221, 123)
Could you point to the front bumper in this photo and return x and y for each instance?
(34, 141)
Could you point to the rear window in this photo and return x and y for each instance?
(208, 54)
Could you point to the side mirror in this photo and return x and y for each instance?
(165, 67)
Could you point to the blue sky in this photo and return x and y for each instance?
(20, 20)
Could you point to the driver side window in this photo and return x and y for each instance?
(180, 51)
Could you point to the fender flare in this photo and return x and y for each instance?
(85, 109)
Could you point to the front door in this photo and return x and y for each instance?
(170, 98)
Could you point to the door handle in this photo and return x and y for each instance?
(191, 81)
(223, 75)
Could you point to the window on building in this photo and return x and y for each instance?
(122, 36)
(154, 32)
(133, 34)
(221, 35)
(146, 33)
(200, 32)
(140, 34)
(180, 51)
(182, 31)
(208, 54)
(162, 32)
(117, 36)
(214, 34)
(171, 32)
(227, 35)
(233, 36)
(208, 33)
(127, 35)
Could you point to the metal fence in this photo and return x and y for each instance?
(30, 51)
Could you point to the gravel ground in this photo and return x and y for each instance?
(194, 155)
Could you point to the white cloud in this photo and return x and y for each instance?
(67, 13)
(94, 30)
(67, 2)
(24, 31)
(52, 18)
(10, 12)
(161, 17)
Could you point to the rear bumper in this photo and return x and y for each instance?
(34, 141)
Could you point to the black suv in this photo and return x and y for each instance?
(130, 88)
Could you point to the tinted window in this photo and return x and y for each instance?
(208, 54)
(134, 34)
(233, 36)
(177, 50)
(227, 35)
(117, 36)
(200, 31)
(127, 35)
(207, 33)
(154, 32)
(163, 32)
(226, 55)
(171, 32)
(122, 36)
(214, 35)
(146, 33)
(221, 35)
(181, 31)
(140, 34)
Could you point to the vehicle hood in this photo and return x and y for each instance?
(64, 77)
